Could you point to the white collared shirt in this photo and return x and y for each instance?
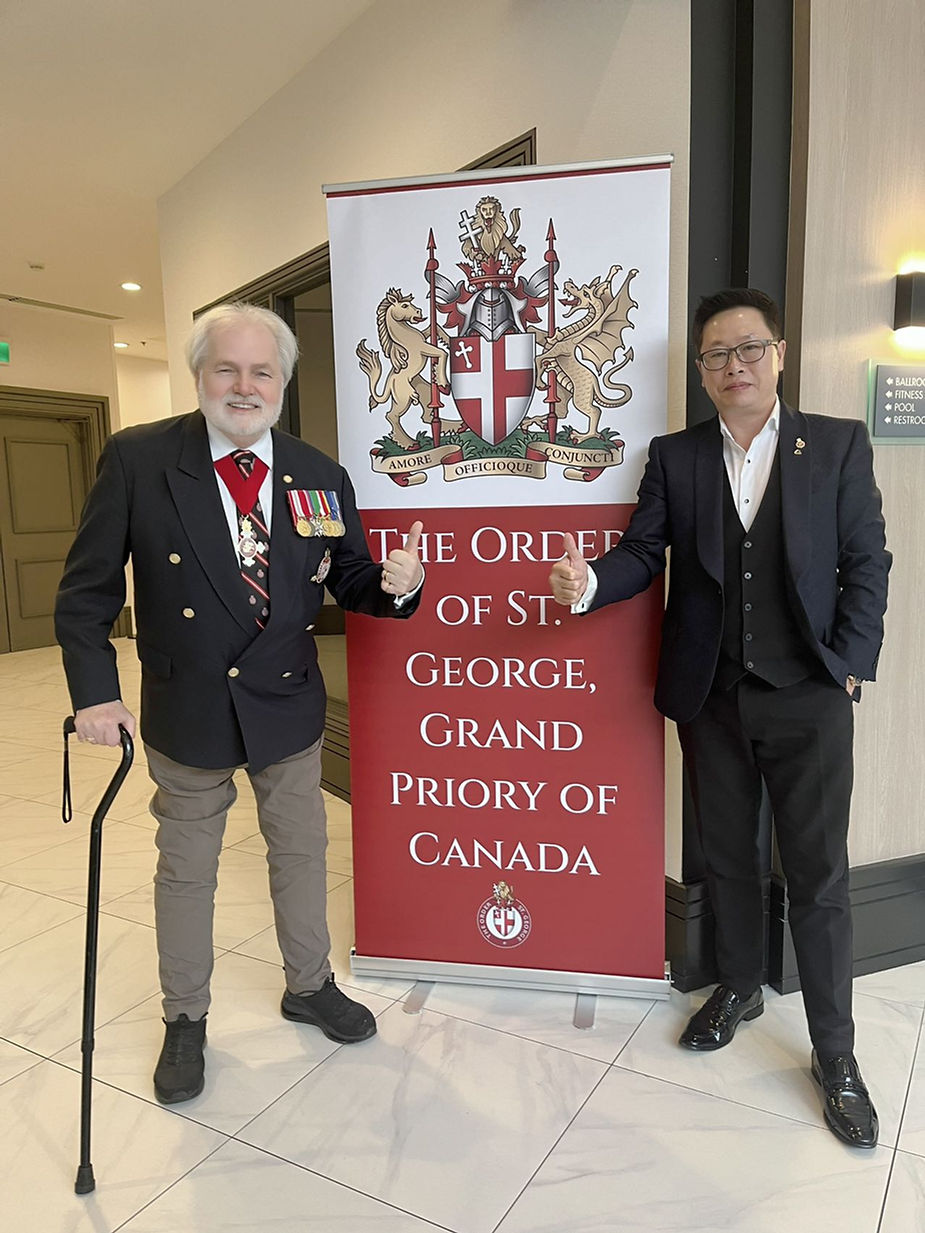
(748, 470)
(220, 445)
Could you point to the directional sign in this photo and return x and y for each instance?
(897, 406)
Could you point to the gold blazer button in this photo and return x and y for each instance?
(174, 558)
(189, 613)
(234, 671)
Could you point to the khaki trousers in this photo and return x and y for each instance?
(191, 805)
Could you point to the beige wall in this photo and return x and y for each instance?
(59, 351)
(597, 78)
(865, 214)
(395, 97)
(144, 389)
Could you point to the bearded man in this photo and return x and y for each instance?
(234, 530)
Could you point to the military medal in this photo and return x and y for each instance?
(315, 512)
(248, 547)
(323, 568)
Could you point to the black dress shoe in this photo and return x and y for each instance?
(339, 1017)
(180, 1071)
(715, 1023)
(848, 1109)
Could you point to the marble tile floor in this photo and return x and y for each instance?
(486, 1110)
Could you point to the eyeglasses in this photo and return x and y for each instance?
(748, 352)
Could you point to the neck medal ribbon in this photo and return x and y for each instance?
(244, 491)
(315, 511)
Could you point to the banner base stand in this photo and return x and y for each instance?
(658, 988)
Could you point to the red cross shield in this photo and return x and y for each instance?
(492, 382)
(506, 922)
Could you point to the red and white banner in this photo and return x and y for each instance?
(501, 355)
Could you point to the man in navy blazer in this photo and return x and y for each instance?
(234, 530)
(774, 618)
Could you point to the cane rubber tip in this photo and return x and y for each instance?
(85, 1180)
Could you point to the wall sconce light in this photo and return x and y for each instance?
(909, 307)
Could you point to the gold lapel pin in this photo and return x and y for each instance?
(800, 444)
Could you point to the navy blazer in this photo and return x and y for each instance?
(834, 549)
(216, 691)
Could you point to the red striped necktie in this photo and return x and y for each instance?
(254, 544)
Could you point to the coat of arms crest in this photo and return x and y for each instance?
(493, 349)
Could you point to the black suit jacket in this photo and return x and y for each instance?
(216, 691)
(834, 548)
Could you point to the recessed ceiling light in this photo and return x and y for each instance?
(131, 286)
(121, 346)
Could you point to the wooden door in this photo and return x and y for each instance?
(43, 468)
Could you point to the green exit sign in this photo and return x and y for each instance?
(4, 353)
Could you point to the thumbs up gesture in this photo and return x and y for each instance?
(402, 571)
(568, 578)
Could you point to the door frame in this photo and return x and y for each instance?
(91, 411)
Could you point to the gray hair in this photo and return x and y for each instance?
(224, 315)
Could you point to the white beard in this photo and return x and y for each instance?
(240, 426)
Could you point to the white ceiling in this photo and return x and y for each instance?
(104, 105)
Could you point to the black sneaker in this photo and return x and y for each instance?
(339, 1017)
(180, 1071)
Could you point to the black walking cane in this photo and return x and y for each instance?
(85, 1180)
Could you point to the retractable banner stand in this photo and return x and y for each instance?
(501, 355)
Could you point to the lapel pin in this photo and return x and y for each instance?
(287, 479)
(800, 444)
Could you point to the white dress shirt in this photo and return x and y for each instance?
(749, 470)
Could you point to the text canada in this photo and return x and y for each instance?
(427, 848)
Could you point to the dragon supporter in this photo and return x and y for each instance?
(234, 530)
(774, 619)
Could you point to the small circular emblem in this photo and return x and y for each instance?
(503, 920)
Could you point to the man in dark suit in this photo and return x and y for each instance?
(234, 530)
(774, 618)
